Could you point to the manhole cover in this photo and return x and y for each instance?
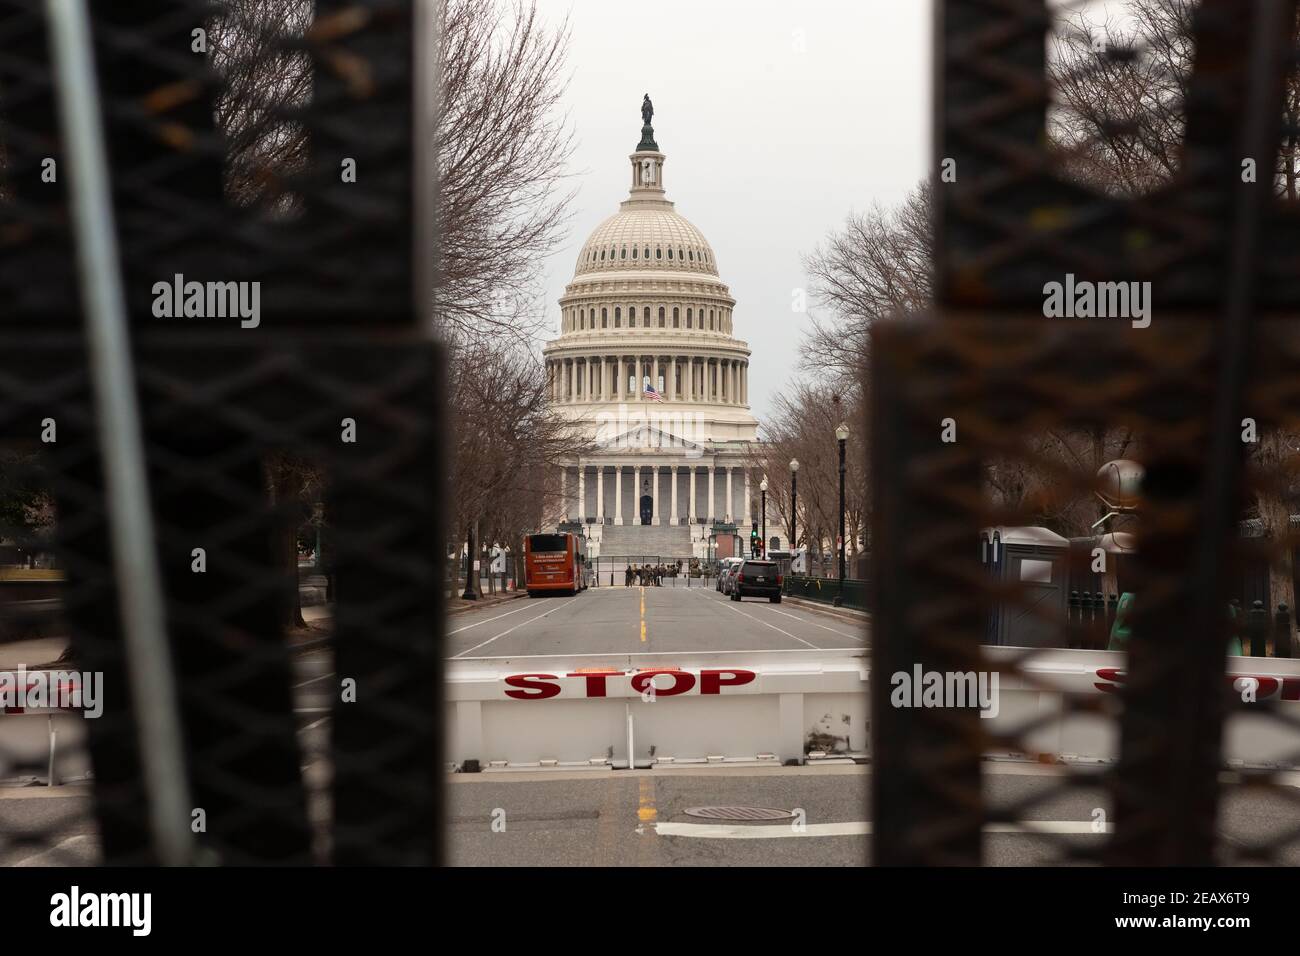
(739, 813)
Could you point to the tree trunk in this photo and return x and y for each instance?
(1275, 515)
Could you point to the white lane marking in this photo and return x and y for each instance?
(740, 831)
(52, 856)
(772, 626)
(313, 680)
(516, 627)
(314, 723)
(489, 620)
(804, 620)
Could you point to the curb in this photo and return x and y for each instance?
(487, 602)
(843, 614)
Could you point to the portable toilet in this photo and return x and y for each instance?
(1037, 560)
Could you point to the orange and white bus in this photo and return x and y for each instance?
(553, 564)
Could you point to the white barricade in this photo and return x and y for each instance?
(779, 707)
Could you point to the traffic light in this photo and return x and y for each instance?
(754, 543)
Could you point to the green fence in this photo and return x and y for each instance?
(856, 593)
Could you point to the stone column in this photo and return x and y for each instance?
(618, 494)
(636, 495)
(654, 496)
(564, 491)
(673, 512)
(708, 512)
(748, 512)
(600, 492)
(582, 492)
(691, 506)
(731, 501)
(654, 373)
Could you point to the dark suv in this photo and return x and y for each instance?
(757, 579)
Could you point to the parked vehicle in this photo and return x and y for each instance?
(553, 563)
(725, 570)
(756, 578)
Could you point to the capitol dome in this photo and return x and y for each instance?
(646, 239)
(647, 317)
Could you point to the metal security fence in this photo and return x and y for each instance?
(971, 393)
(854, 594)
(235, 184)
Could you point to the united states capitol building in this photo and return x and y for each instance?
(648, 369)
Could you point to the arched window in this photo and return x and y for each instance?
(618, 317)
(689, 318)
(676, 318)
(647, 252)
(582, 318)
(670, 252)
(679, 253)
(604, 318)
(691, 253)
(659, 253)
(661, 316)
(612, 250)
(623, 254)
(710, 320)
(602, 255)
(634, 252)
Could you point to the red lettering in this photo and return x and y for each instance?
(1265, 688)
(534, 686)
(682, 682)
(595, 681)
(1113, 674)
(711, 681)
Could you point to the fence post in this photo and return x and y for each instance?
(1257, 629)
(1282, 632)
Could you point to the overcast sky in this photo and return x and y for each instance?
(777, 120)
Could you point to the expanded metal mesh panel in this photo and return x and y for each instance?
(1036, 403)
(233, 130)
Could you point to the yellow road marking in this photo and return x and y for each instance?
(643, 613)
(647, 812)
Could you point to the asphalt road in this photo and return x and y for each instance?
(617, 818)
(636, 620)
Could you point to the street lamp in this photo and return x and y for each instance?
(794, 504)
(842, 436)
(762, 486)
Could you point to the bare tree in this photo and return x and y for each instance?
(502, 143)
(877, 265)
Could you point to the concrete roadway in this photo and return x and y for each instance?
(639, 620)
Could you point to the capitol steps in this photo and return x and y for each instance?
(645, 541)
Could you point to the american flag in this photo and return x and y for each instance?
(651, 394)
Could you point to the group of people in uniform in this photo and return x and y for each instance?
(647, 574)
